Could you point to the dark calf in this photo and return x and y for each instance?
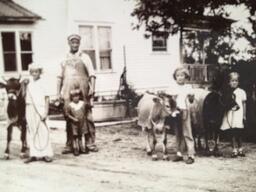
(215, 105)
(16, 91)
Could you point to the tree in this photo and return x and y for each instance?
(170, 15)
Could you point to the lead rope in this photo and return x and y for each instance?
(36, 135)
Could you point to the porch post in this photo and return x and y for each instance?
(181, 45)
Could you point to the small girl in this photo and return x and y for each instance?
(76, 113)
(233, 120)
(37, 108)
(184, 137)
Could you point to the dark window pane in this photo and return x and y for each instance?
(26, 59)
(10, 62)
(91, 53)
(159, 43)
(105, 60)
(25, 41)
(8, 41)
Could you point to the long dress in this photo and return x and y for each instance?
(38, 132)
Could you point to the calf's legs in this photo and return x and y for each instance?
(9, 138)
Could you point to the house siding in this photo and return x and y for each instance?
(145, 69)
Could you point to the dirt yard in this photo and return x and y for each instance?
(122, 165)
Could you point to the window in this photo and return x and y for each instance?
(96, 42)
(159, 43)
(17, 51)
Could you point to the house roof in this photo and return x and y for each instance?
(207, 22)
(11, 12)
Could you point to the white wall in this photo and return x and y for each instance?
(145, 68)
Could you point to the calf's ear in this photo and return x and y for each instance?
(156, 100)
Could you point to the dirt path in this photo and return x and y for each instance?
(121, 165)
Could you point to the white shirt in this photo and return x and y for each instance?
(181, 91)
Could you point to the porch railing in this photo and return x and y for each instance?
(200, 73)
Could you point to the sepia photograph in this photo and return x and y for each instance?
(128, 95)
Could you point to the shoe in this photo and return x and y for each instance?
(177, 158)
(30, 159)
(93, 148)
(84, 151)
(234, 154)
(47, 159)
(76, 152)
(190, 160)
(241, 154)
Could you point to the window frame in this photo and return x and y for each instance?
(152, 44)
(18, 50)
(95, 27)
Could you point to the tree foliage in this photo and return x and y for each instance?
(169, 15)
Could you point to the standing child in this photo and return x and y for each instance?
(233, 119)
(37, 107)
(76, 112)
(184, 137)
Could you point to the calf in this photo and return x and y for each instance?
(15, 111)
(215, 105)
(152, 113)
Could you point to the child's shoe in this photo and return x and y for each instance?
(234, 153)
(241, 153)
(190, 160)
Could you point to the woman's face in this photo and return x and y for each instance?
(180, 77)
(234, 81)
(35, 73)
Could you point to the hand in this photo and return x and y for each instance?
(43, 118)
(75, 120)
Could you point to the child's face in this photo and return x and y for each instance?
(75, 98)
(35, 73)
(234, 81)
(180, 77)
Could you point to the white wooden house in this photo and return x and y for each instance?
(37, 31)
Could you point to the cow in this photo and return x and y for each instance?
(212, 105)
(16, 90)
(152, 114)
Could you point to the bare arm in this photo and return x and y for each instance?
(47, 103)
(244, 107)
(59, 86)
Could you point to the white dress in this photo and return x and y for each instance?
(38, 132)
(234, 119)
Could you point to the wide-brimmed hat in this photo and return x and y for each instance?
(74, 36)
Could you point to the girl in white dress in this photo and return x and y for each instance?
(233, 120)
(37, 107)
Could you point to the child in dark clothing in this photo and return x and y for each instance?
(76, 113)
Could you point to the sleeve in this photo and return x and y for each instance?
(244, 96)
(60, 72)
(88, 63)
(68, 111)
